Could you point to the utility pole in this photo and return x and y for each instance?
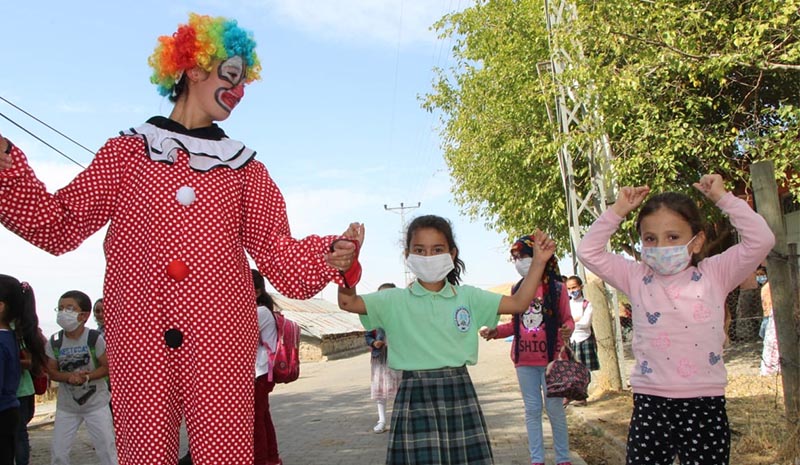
(402, 210)
(765, 190)
(575, 112)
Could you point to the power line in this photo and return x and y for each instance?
(41, 140)
(45, 125)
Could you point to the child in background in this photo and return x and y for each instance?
(770, 356)
(31, 342)
(265, 440)
(582, 340)
(99, 316)
(383, 380)
(766, 307)
(77, 361)
(678, 310)
(539, 335)
(432, 325)
(15, 297)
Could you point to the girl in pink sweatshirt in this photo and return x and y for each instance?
(539, 334)
(678, 311)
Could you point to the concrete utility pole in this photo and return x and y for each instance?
(573, 111)
(402, 209)
(765, 190)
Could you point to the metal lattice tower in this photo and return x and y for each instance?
(575, 111)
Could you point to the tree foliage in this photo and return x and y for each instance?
(679, 88)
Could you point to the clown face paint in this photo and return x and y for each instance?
(233, 72)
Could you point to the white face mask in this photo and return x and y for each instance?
(523, 265)
(431, 269)
(667, 260)
(68, 320)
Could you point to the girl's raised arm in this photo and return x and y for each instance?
(543, 249)
(351, 302)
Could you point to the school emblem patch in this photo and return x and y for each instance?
(463, 319)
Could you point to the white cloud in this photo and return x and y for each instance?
(364, 20)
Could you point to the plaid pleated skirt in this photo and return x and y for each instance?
(586, 353)
(437, 419)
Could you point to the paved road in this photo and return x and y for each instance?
(327, 417)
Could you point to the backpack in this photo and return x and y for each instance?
(91, 341)
(284, 362)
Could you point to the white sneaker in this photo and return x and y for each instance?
(380, 427)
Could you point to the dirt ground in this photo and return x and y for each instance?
(759, 433)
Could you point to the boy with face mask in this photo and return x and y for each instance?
(77, 361)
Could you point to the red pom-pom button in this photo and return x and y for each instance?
(177, 270)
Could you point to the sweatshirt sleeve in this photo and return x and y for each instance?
(611, 268)
(736, 263)
(504, 330)
(564, 316)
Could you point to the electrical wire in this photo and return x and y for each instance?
(46, 125)
(42, 140)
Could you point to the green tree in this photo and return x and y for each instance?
(681, 89)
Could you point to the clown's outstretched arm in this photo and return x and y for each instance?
(297, 268)
(60, 222)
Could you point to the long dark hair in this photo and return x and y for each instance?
(550, 312)
(21, 308)
(263, 298)
(443, 226)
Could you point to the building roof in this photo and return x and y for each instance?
(317, 317)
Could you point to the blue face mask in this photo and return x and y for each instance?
(761, 279)
(575, 294)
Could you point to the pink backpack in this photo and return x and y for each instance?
(284, 363)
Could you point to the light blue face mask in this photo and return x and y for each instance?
(575, 294)
(761, 279)
(668, 260)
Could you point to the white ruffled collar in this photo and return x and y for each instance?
(204, 154)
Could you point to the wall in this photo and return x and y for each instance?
(332, 346)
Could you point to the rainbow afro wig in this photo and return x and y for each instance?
(200, 43)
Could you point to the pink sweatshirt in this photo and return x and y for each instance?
(533, 338)
(678, 321)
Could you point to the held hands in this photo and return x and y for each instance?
(344, 251)
(487, 333)
(629, 199)
(78, 378)
(712, 186)
(378, 344)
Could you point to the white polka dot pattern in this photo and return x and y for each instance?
(209, 378)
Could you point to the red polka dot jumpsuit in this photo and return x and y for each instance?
(180, 314)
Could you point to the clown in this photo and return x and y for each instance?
(184, 204)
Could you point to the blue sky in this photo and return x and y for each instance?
(336, 118)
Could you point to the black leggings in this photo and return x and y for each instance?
(8, 435)
(694, 429)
